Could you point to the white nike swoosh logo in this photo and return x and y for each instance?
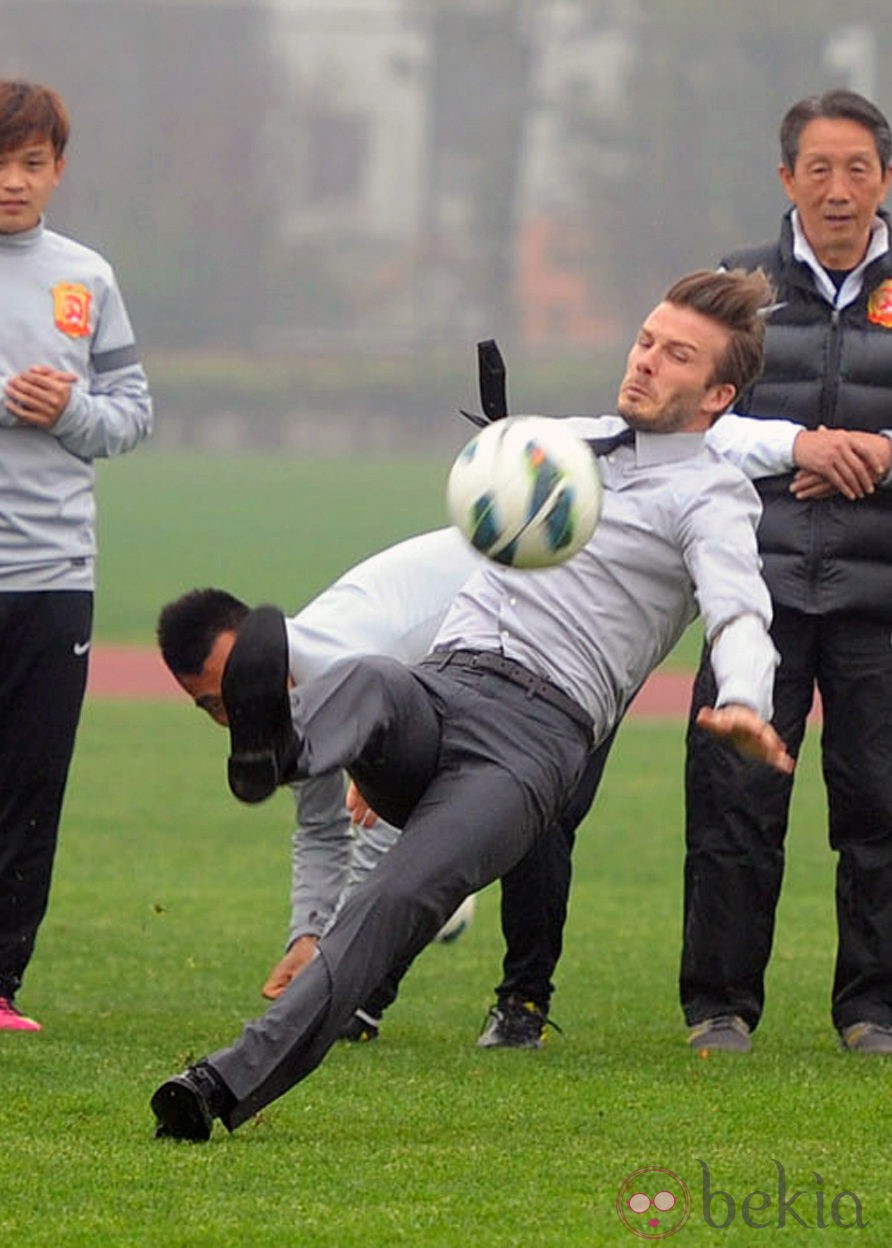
(80, 648)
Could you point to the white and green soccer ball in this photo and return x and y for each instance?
(526, 492)
(458, 923)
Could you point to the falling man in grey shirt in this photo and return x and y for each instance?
(474, 751)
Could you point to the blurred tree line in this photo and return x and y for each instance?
(657, 120)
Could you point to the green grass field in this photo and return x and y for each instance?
(170, 904)
(276, 529)
(266, 528)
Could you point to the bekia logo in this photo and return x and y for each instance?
(654, 1203)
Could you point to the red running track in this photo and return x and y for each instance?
(138, 673)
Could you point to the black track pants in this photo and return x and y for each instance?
(44, 643)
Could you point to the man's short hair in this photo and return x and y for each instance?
(31, 113)
(737, 300)
(189, 626)
(839, 103)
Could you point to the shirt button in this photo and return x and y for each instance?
(512, 602)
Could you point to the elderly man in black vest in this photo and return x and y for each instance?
(828, 564)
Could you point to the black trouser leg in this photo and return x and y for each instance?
(535, 895)
(43, 671)
(390, 768)
(374, 716)
(736, 821)
(855, 679)
(501, 767)
(388, 990)
(390, 916)
(534, 901)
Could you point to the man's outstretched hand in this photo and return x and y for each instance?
(741, 727)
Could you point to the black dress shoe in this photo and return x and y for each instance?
(263, 748)
(186, 1105)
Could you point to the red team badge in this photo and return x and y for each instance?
(71, 309)
(879, 305)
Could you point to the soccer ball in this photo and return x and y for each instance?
(525, 492)
(459, 922)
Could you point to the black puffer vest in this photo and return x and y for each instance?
(832, 368)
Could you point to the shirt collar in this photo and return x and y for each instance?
(24, 238)
(649, 448)
(666, 448)
(851, 287)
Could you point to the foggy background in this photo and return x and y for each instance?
(316, 207)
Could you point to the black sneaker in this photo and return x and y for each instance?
(514, 1024)
(263, 747)
(725, 1033)
(186, 1105)
(360, 1028)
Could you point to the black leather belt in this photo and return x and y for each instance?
(535, 686)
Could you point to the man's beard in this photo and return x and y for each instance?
(670, 419)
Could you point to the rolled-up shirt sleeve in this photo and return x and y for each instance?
(759, 448)
(718, 536)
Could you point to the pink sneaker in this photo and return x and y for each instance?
(12, 1020)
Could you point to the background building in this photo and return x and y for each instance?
(317, 206)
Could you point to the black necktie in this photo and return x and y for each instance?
(599, 446)
(603, 446)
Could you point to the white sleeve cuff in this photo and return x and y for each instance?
(759, 448)
(886, 481)
(743, 660)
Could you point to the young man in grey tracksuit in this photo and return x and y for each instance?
(71, 390)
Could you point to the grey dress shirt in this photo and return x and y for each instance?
(677, 536)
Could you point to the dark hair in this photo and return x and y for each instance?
(29, 112)
(189, 626)
(738, 300)
(837, 103)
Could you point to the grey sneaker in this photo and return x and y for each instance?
(514, 1024)
(725, 1033)
(867, 1038)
